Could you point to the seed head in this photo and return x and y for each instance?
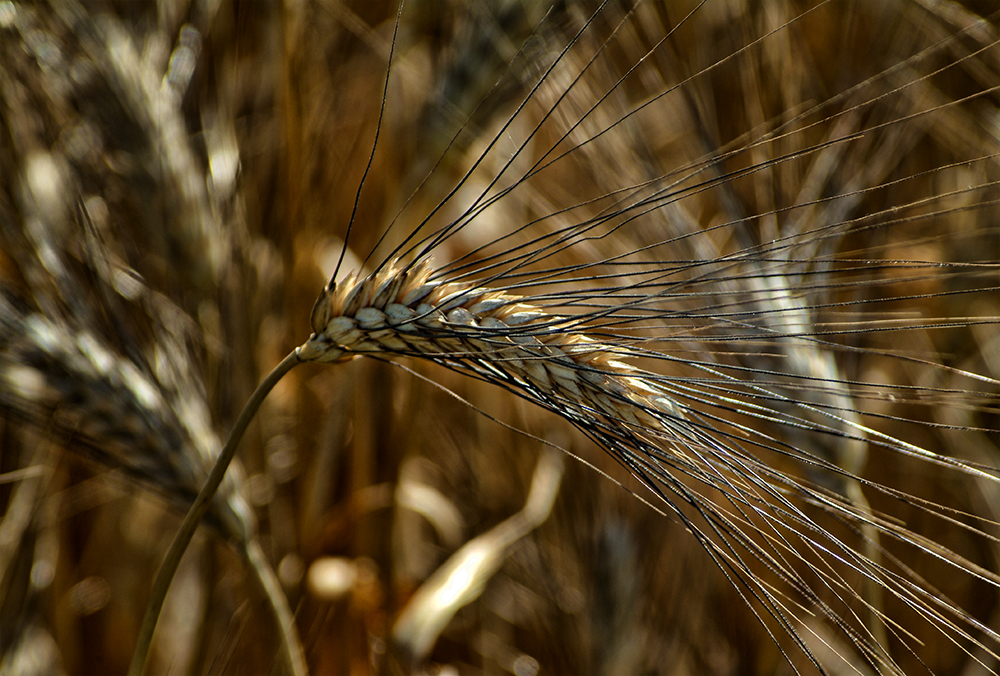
(498, 336)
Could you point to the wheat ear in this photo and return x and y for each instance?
(495, 334)
(659, 437)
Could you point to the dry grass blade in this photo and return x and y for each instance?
(464, 576)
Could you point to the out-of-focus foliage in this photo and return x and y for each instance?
(175, 184)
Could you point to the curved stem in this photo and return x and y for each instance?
(165, 574)
(291, 646)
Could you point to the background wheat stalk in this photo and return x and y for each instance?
(750, 249)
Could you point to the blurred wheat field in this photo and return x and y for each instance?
(176, 180)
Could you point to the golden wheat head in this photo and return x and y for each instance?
(404, 310)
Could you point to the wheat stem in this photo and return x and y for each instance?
(291, 646)
(165, 575)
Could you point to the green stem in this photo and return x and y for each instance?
(165, 575)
